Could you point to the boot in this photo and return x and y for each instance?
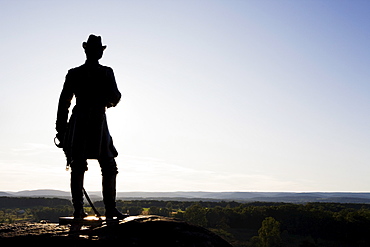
(109, 197)
(77, 180)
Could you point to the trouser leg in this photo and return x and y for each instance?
(77, 180)
(109, 191)
(109, 173)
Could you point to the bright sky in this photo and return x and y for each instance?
(225, 95)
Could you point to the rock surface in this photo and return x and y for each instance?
(148, 230)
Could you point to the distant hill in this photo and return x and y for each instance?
(41, 193)
(292, 197)
(340, 197)
(5, 194)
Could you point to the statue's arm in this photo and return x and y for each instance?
(64, 104)
(114, 95)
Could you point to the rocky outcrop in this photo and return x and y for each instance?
(146, 230)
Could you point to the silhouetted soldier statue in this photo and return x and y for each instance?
(86, 135)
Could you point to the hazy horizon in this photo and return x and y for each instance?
(185, 191)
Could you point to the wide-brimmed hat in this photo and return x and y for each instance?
(93, 42)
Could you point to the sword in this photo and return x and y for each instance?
(91, 204)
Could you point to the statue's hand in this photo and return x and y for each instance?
(58, 140)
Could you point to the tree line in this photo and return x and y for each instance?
(29, 202)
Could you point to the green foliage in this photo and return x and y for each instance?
(196, 215)
(159, 211)
(133, 210)
(14, 215)
(18, 209)
(51, 214)
(269, 233)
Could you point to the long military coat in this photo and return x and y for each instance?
(86, 135)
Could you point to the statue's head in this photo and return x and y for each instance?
(93, 47)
